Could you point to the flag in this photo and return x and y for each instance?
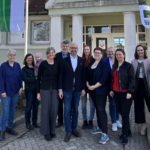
(12, 15)
(144, 7)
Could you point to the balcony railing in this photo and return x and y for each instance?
(91, 3)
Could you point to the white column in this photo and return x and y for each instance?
(56, 32)
(130, 34)
(77, 32)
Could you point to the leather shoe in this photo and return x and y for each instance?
(76, 133)
(2, 135)
(11, 131)
(59, 125)
(53, 135)
(67, 137)
(47, 137)
(29, 126)
(36, 125)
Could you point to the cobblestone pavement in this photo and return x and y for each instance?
(33, 140)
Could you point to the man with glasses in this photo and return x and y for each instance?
(71, 86)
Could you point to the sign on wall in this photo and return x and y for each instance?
(144, 6)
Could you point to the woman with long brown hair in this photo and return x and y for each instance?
(29, 78)
(141, 66)
(122, 91)
(87, 60)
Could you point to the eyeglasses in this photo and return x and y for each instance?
(97, 52)
(73, 48)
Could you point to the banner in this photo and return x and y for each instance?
(12, 15)
(144, 6)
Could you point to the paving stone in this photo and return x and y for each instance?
(33, 140)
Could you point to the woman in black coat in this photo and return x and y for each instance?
(98, 84)
(31, 109)
(122, 90)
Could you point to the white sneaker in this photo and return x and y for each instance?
(119, 125)
(114, 127)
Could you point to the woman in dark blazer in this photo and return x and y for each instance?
(47, 93)
(29, 79)
(122, 90)
(98, 84)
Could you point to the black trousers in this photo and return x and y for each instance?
(141, 96)
(99, 102)
(31, 109)
(60, 111)
(123, 106)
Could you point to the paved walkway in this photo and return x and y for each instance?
(34, 141)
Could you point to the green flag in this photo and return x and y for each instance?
(12, 15)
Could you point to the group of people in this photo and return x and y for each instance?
(59, 82)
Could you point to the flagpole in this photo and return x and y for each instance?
(26, 27)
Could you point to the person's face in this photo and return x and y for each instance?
(120, 56)
(73, 49)
(97, 54)
(140, 51)
(51, 55)
(110, 53)
(29, 60)
(11, 57)
(65, 47)
(87, 51)
(37, 58)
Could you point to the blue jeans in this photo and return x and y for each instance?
(84, 107)
(113, 110)
(8, 111)
(71, 103)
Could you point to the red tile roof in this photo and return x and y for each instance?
(37, 7)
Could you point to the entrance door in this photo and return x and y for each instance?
(101, 40)
(106, 40)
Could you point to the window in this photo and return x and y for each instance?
(117, 29)
(141, 28)
(90, 30)
(119, 42)
(141, 36)
(40, 32)
(15, 38)
(97, 29)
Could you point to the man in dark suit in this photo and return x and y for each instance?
(71, 86)
(60, 57)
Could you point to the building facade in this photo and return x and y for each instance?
(102, 23)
